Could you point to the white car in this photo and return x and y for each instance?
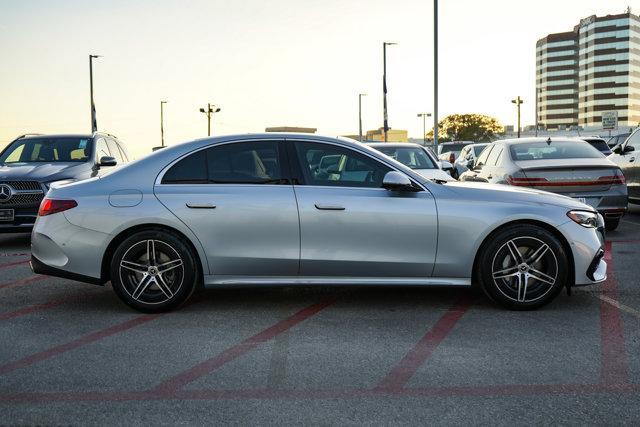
(417, 158)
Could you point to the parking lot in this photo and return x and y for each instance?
(73, 354)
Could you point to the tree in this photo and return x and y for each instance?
(467, 127)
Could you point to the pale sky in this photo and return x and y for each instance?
(266, 63)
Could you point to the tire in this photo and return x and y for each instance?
(154, 283)
(611, 224)
(540, 266)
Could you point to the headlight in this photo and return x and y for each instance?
(586, 218)
(59, 182)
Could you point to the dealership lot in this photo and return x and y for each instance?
(72, 353)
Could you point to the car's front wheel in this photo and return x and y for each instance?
(154, 271)
(611, 224)
(523, 267)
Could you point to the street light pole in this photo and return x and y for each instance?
(360, 95)
(94, 123)
(162, 122)
(518, 101)
(385, 124)
(210, 110)
(424, 126)
(435, 74)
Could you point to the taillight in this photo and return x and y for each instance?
(525, 182)
(51, 206)
(452, 158)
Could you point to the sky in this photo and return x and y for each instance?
(267, 63)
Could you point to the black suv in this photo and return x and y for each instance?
(31, 163)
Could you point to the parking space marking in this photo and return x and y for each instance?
(179, 381)
(30, 309)
(631, 222)
(614, 365)
(620, 306)
(400, 375)
(72, 345)
(13, 264)
(21, 282)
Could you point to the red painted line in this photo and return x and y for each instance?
(400, 375)
(72, 345)
(338, 393)
(614, 368)
(12, 264)
(31, 309)
(21, 282)
(175, 383)
(625, 241)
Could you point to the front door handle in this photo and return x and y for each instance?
(329, 207)
(201, 206)
(632, 159)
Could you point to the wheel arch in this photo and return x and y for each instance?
(563, 241)
(124, 234)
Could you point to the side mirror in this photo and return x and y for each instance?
(629, 148)
(397, 181)
(446, 166)
(617, 149)
(107, 161)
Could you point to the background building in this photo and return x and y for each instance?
(291, 129)
(393, 135)
(594, 68)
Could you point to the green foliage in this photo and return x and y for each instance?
(467, 127)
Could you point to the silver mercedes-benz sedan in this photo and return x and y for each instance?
(273, 209)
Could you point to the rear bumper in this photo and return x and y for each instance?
(40, 267)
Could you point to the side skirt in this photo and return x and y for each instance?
(215, 281)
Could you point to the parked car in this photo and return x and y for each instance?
(468, 155)
(617, 139)
(31, 164)
(560, 165)
(598, 143)
(260, 210)
(627, 157)
(450, 151)
(417, 158)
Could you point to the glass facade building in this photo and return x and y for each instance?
(594, 68)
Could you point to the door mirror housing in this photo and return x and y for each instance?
(397, 181)
(617, 149)
(629, 148)
(446, 166)
(107, 161)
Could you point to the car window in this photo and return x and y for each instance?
(245, 163)
(101, 149)
(478, 149)
(190, 170)
(464, 153)
(123, 152)
(493, 156)
(482, 159)
(113, 149)
(413, 157)
(634, 140)
(331, 165)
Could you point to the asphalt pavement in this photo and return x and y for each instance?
(72, 353)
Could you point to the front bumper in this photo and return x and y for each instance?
(587, 247)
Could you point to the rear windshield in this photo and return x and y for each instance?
(456, 148)
(47, 150)
(553, 150)
(415, 158)
(477, 149)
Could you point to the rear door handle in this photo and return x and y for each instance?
(329, 207)
(201, 206)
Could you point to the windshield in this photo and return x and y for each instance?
(415, 158)
(554, 150)
(48, 150)
(477, 149)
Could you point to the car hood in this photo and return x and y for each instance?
(437, 174)
(41, 171)
(507, 193)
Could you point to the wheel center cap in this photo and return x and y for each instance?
(523, 267)
(153, 271)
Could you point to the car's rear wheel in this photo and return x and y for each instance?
(611, 224)
(523, 267)
(154, 271)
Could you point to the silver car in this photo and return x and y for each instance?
(571, 167)
(273, 209)
(417, 158)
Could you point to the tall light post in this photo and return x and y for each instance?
(162, 123)
(384, 88)
(424, 126)
(435, 74)
(209, 111)
(360, 95)
(94, 122)
(518, 101)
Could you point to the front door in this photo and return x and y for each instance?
(237, 199)
(629, 162)
(351, 226)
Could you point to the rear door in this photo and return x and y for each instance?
(238, 200)
(352, 227)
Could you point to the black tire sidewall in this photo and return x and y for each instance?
(611, 224)
(191, 270)
(499, 238)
